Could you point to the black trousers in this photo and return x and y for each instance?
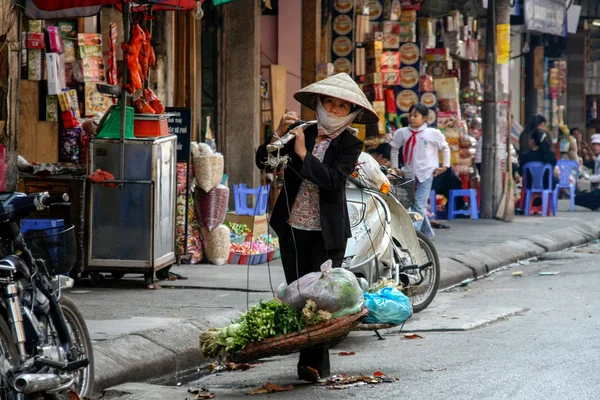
(303, 252)
(589, 200)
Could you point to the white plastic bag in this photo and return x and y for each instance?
(333, 289)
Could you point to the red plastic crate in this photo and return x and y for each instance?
(145, 128)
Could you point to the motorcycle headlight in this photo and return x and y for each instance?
(355, 212)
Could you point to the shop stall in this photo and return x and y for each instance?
(114, 155)
(402, 56)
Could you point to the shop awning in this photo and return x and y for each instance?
(50, 9)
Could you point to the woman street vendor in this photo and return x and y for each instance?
(310, 216)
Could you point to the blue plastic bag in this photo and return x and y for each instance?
(387, 306)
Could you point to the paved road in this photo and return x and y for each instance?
(503, 337)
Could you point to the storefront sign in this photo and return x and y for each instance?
(546, 16)
(503, 43)
(180, 124)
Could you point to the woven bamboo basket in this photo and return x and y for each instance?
(297, 341)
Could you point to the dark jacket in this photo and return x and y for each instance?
(330, 175)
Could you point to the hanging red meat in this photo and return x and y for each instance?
(154, 102)
(141, 107)
(132, 51)
(144, 55)
(150, 49)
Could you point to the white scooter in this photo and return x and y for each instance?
(384, 243)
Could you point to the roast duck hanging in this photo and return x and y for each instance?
(140, 57)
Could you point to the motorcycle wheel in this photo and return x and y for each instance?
(422, 295)
(9, 351)
(84, 384)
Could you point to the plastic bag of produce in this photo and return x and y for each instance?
(211, 207)
(387, 306)
(335, 290)
(208, 170)
(216, 244)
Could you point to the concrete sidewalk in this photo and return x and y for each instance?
(141, 334)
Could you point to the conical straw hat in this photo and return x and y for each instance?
(341, 86)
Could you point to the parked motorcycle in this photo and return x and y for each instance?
(384, 243)
(45, 348)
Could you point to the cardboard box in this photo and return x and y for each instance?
(438, 54)
(391, 77)
(51, 109)
(258, 225)
(68, 29)
(55, 74)
(34, 26)
(437, 69)
(35, 40)
(34, 65)
(373, 65)
(391, 41)
(373, 49)
(390, 60)
(447, 88)
(89, 51)
(360, 62)
(373, 79)
(94, 101)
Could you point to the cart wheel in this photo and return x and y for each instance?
(117, 275)
(149, 278)
(163, 273)
(97, 279)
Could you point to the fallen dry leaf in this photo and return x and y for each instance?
(261, 390)
(412, 336)
(204, 395)
(345, 353)
(276, 388)
(271, 388)
(230, 366)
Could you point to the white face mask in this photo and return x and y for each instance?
(330, 125)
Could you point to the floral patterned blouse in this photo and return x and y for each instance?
(306, 212)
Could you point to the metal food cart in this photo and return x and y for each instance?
(132, 228)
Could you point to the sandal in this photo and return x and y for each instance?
(308, 374)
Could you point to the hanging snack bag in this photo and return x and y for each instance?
(211, 207)
(216, 244)
(208, 170)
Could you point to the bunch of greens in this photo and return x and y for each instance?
(263, 321)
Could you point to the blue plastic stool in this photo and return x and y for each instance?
(539, 172)
(433, 204)
(473, 210)
(240, 199)
(566, 170)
